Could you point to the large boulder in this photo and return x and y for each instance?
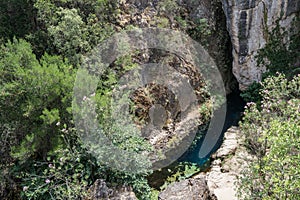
(100, 190)
(193, 188)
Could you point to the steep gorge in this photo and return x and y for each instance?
(232, 32)
(248, 22)
(237, 30)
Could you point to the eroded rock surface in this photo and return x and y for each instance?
(193, 188)
(228, 163)
(248, 22)
(203, 20)
(101, 191)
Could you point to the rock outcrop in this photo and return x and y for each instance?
(218, 42)
(248, 23)
(203, 20)
(177, 119)
(100, 190)
(193, 188)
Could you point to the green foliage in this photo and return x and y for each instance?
(200, 31)
(123, 136)
(17, 18)
(206, 111)
(34, 96)
(42, 156)
(138, 182)
(162, 22)
(154, 194)
(117, 129)
(65, 174)
(70, 28)
(168, 7)
(180, 172)
(272, 134)
(278, 55)
(68, 34)
(183, 24)
(252, 93)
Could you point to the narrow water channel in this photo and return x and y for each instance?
(235, 108)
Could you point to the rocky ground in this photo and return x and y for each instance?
(228, 162)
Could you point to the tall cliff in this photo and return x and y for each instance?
(248, 23)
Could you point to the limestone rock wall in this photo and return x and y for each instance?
(248, 23)
(218, 42)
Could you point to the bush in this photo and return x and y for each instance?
(252, 93)
(279, 55)
(35, 100)
(66, 174)
(273, 136)
(34, 97)
(71, 28)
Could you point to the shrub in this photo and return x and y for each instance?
(34, 96)
(281, 54)
(273, 136)
(66, 174)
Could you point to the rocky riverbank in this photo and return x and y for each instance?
(219, 181)
(227, 164)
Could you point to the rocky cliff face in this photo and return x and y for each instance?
(248, 23)
(204, 21)
(218, 42)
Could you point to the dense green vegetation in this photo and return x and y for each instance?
(277, 56)
(272, 132)
(41, 154)
(42, 45)
(271, 122)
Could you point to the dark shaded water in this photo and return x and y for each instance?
(235, 108)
